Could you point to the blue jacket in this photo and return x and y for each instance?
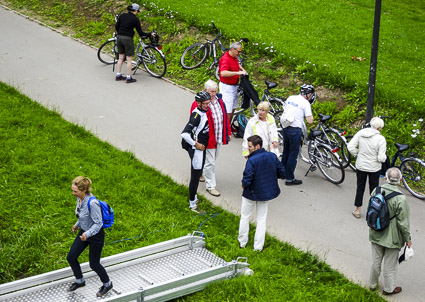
(260, 177)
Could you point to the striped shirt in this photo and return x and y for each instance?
(218, 118)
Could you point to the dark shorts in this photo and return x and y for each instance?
(125, 45)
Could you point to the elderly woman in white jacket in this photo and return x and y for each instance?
(262, 124)
(370, 148)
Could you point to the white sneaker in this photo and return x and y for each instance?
(213, 192)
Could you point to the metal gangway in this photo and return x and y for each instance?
(159, 272)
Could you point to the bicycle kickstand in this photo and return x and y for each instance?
(312, 169)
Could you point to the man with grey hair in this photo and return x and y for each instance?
(219, 134)
(230, 70)
(369, 146)
(387, 243)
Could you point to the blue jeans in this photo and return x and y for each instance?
(291, 146)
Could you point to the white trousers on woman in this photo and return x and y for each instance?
(390, 257)
(260, 232)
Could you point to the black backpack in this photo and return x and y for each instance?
(239, 125)
(378, 214)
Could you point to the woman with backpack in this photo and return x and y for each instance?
(263, 125)
(369, 146)
(90, 234)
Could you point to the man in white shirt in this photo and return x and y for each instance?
(292, 135)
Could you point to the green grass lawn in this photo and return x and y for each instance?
(42, 153)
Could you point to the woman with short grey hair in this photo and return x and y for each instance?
(369, 146)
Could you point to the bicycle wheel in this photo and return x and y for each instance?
(275, 106)
(107, 52)
(194, 56)
(413, 171)
(329, 164)
(217, 73)
(352, 159)
(154, 61)
(332, 138)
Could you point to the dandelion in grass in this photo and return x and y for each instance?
(421, 120)
(414, 125)
(414, 135)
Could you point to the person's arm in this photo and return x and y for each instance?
(402, 216)
(382, 151)
(187, 131)
(228, 73)
(309, 119)
(248, 132)
(248, 175)
(273, 130)
(353, 145)
(141, 33)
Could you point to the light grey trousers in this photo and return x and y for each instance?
(390, 258)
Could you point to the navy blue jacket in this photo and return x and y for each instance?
(261, 174)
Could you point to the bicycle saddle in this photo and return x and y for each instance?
(324, 117)
(270, 85)
(401, 147)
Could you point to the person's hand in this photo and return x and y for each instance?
(74, 228)
(409, 244)
(275, 145)
(229, 138)
(199, 146)
(83, 237)
(153, 34)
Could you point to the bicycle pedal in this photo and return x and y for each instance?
(312, 168)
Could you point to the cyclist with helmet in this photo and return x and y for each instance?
(125, 26)
(195, 138)
(292, 134)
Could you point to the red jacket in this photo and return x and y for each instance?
(212, 142)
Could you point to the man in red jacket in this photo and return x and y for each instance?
(230, 70)
(219, 134)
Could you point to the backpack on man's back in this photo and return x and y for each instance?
(378, 214)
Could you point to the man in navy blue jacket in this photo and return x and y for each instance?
(260, 184)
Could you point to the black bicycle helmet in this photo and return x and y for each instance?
(154, 39)
(202, 96)
(307, 89)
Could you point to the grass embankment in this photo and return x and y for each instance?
(42, 153)
(291, 42)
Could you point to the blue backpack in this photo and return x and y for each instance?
(239, 125)
(107, 213)
(378, 214)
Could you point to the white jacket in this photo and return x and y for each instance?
(370, 148)
(251, 129)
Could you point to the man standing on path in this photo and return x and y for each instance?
(195, 140)
(300, 107)
(125, 26)
(219, 134)
(230, 70)
(387, 243)
(260, 185)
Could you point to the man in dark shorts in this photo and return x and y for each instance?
(125, 26)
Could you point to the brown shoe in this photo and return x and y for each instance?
(202, 178)
(213, 192)
(395, 291)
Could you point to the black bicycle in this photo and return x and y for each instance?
(196, 55)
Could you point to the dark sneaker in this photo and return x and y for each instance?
(130, 80)
(197, 210)
(76, 285)
(104, 290)
(120, 78)
(294, 182)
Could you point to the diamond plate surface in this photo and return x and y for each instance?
(127, 279)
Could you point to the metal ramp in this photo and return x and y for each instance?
(158, 272)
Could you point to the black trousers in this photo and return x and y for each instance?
(361, 184)
(95, 244)
(194, 174)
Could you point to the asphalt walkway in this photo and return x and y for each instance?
(147, 117)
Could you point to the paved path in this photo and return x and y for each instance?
(147, 117)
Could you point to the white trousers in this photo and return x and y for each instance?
(390, 257)
(260, 233)
(230, 96)
(209, 167)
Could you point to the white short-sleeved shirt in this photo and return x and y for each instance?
(302, 109)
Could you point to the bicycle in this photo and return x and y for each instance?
(324, 157)
(195, 55)
(276, 102)
(412, 169)
(150, 55)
